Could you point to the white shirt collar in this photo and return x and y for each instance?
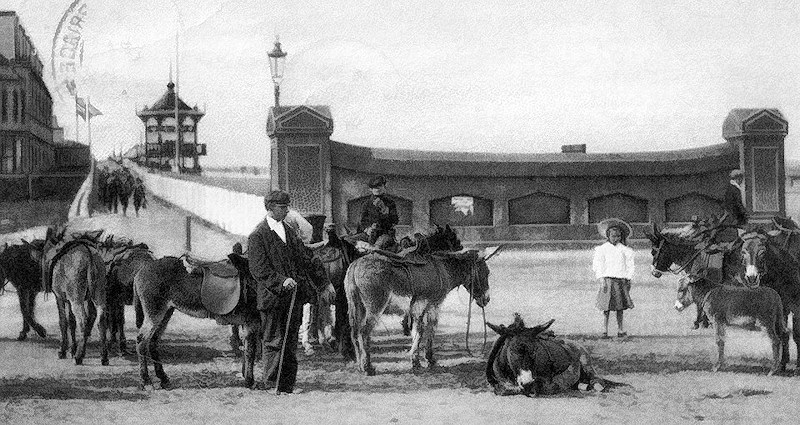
(735, 183)
(277, 227)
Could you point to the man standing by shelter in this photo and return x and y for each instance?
(379, 215)
(281, 265)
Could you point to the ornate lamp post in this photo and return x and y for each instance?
(277, 62)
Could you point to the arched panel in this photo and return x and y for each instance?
(462, 210)
(684, 207)
(538, 208)
(619, 205)
(355, 206)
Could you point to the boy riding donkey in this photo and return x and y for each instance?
(720, 255)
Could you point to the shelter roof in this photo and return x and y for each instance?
(166, 105)
(713, 158)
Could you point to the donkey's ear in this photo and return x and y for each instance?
(500, 330)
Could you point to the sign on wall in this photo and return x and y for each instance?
(765, 179)
(304, 178)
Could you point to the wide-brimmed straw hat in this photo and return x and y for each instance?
(603, 226)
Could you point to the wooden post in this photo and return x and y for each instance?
(188, 233)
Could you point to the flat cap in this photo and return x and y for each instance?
(377, 181)
(277, 197)
(736, 173)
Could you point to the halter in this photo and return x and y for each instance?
(681, 268)
(786, 243)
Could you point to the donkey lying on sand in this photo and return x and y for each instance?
(532, 361)
(737, 306)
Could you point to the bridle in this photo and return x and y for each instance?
(786, 243)
(680, 269)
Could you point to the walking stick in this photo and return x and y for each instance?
(283, 345)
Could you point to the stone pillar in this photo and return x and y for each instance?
(758, 135)
(300, 156)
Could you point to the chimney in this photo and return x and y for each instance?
(573, 148)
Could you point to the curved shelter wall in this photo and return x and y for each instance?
(493, 197)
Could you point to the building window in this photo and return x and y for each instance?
(462, 210)
(619, 205)
(690, 205)
(5, 105)
(15, 106)
(22, 108)
(356, 206)
(538, 208)
(6, 156)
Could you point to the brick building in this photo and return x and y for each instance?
(26, 108)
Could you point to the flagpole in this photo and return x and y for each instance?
(77, 123)
(89, 130)
(177, 118)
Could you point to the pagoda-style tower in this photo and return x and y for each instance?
(161, 132)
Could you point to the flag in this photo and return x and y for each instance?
(80, 109)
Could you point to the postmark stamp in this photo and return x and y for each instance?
(67, 51)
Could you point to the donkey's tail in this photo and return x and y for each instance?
(780, 322)
(137, 305)
(355, 305)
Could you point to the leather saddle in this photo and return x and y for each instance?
(221, 288)
(405, 257)
(328, 254)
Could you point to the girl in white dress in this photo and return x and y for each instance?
(613, 264)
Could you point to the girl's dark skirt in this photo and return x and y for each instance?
(614, 294)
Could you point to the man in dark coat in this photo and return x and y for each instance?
(280, 264)
(379, 215)
(732, 203)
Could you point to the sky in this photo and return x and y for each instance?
(499, 76)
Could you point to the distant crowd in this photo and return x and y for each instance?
(117, 187)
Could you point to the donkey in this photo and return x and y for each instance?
(737, 306)
(689, 248)
(532, 361)
(77, 275)
(124, 260)
(163, 285)
(770, 262)
(372, 280)
(18, 266)
(336, 257)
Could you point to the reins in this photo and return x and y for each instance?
(473, 277)
(683, 267)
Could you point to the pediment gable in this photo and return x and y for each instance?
(765, 121)
(300, 119)
(754, 121)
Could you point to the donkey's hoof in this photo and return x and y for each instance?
(165, 384)
(717, 367)
(22, 336)
(104, 362)
(78, 361)
(370, 371)
(62, 355)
